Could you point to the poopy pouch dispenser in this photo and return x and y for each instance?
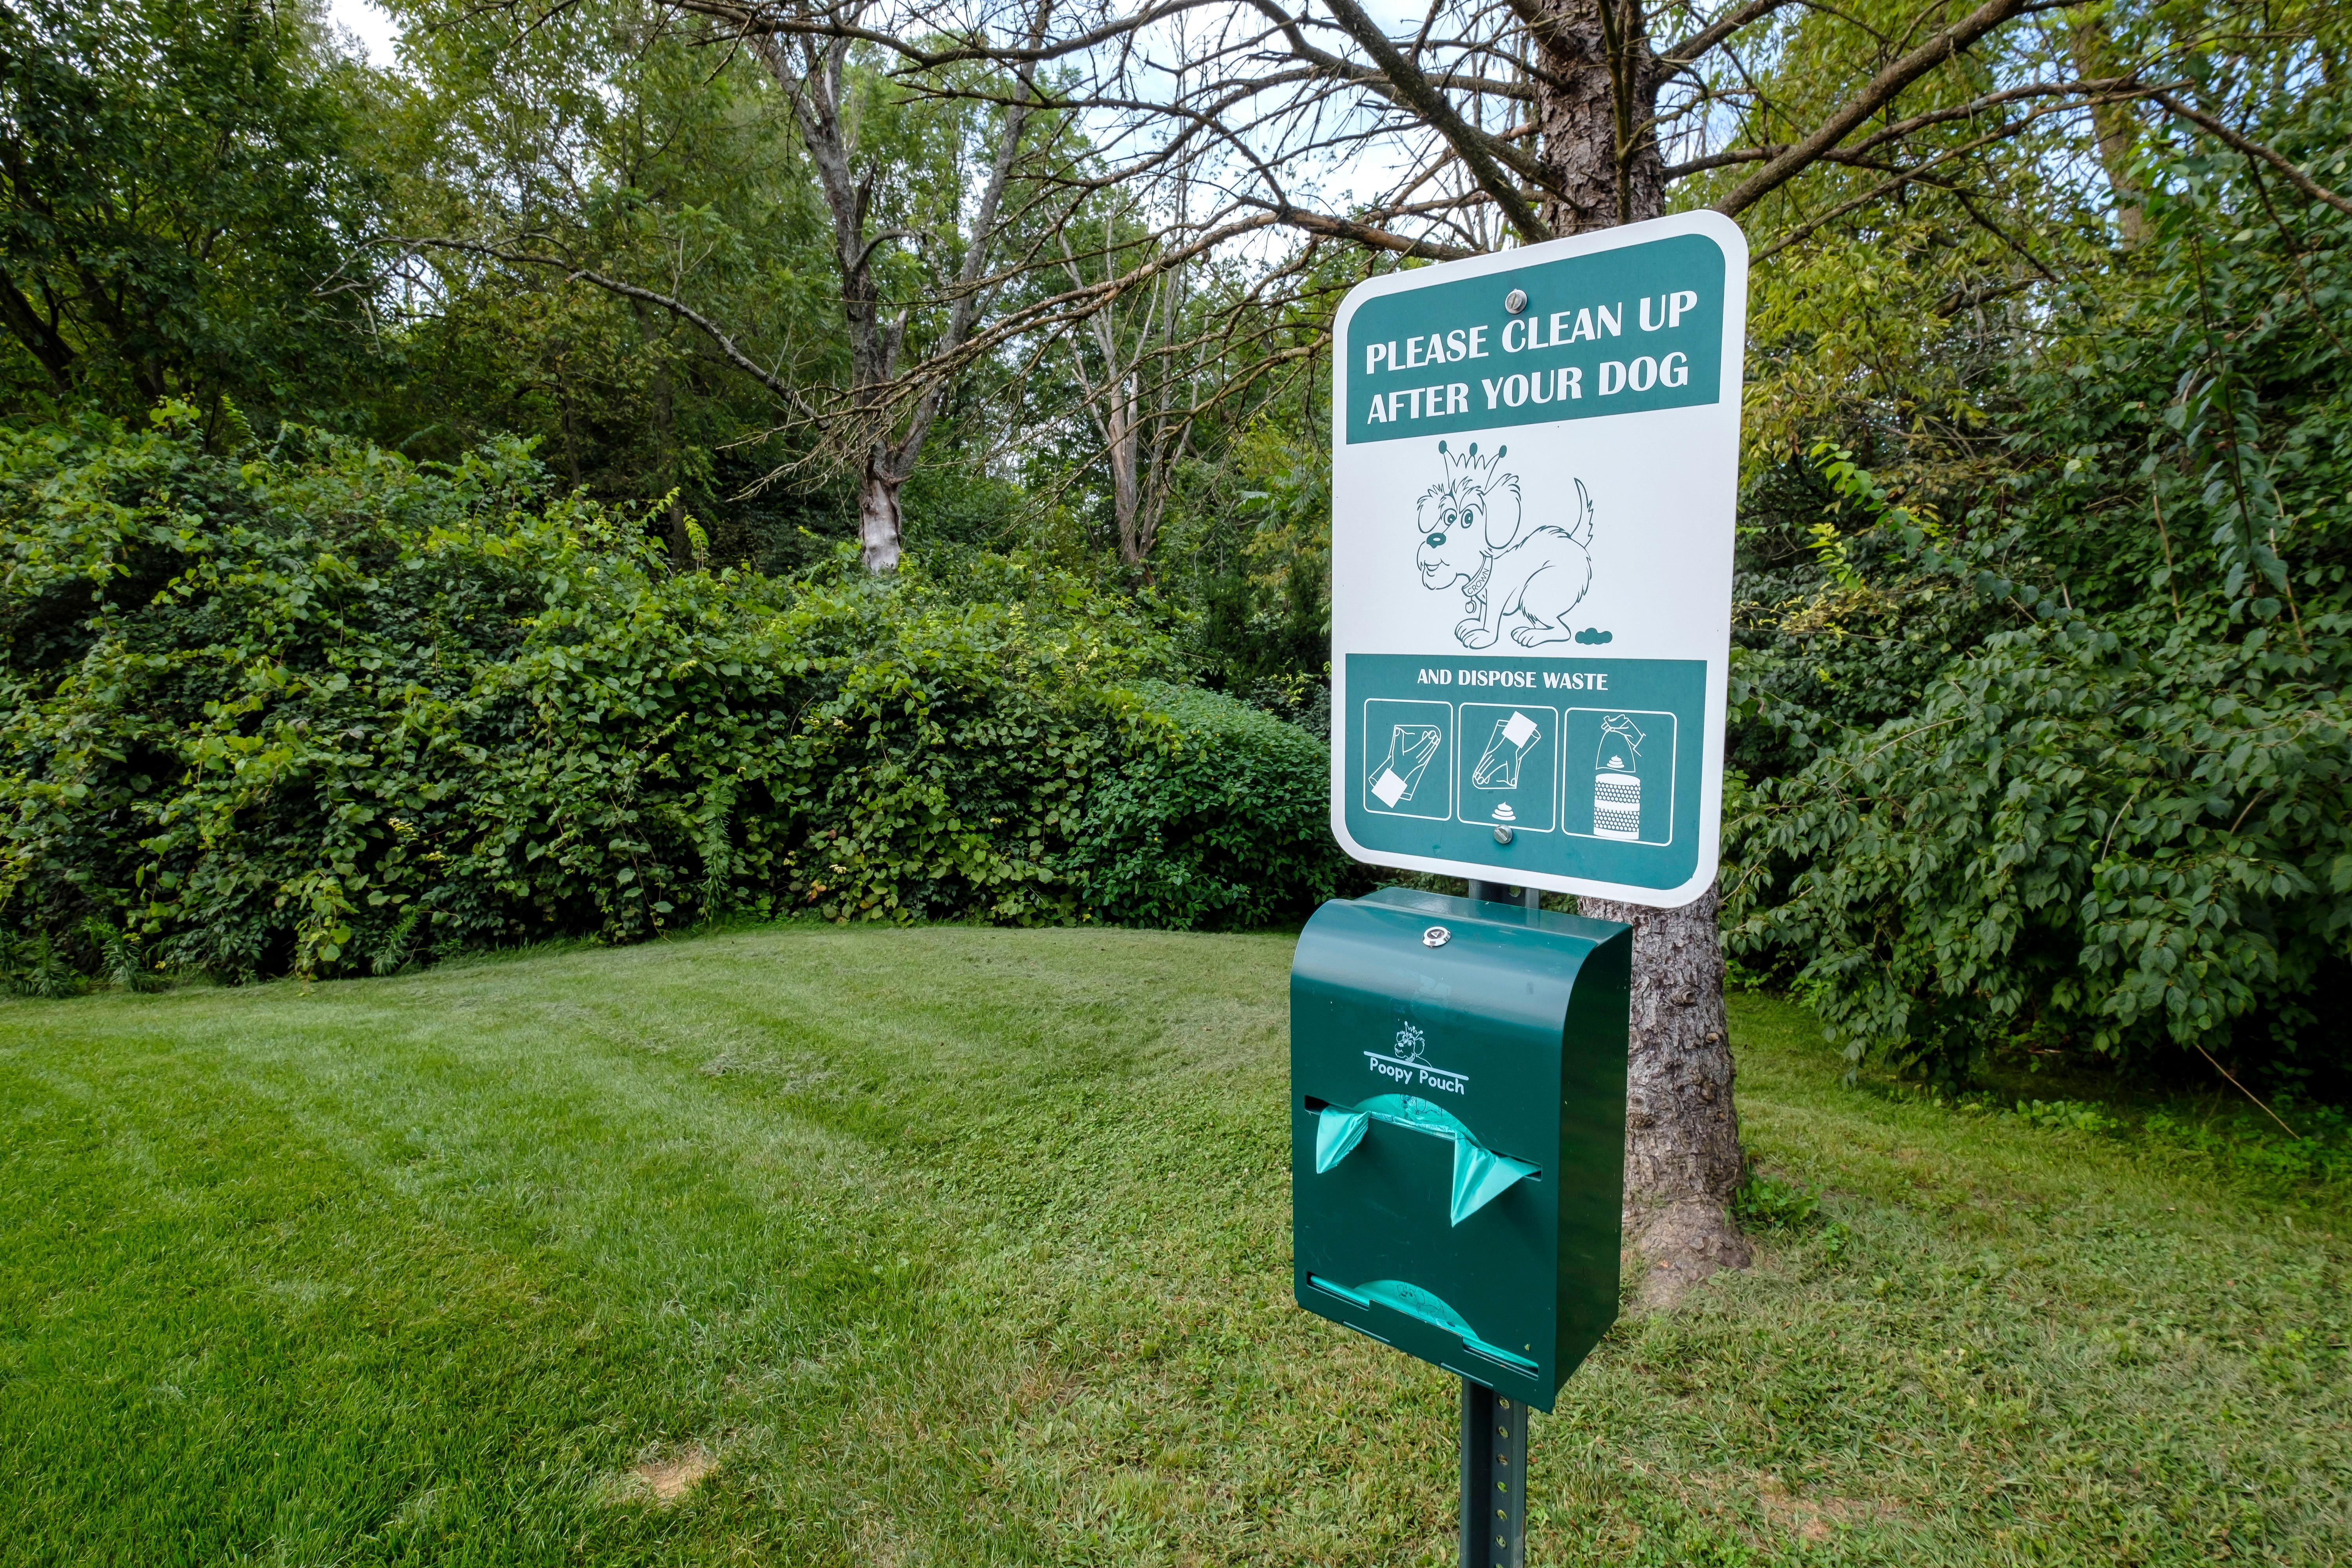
(1458, 1130)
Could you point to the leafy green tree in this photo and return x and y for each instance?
(598, 141)
(771, 210)
(2118, 817)
(181, 184)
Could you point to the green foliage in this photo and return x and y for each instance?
(2316, 1152)
(179, 185)
(2067, 1115)
(615, 135)
(1251, 544)
(35, 967)
(2056, 1115)
(328, 712)
(1760, 1203)
(2121, 820)
(600, 132)
(2242, 1145)
(1218, 817)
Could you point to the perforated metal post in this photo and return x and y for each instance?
(1494, 1431)
(1504, 893)
(1493, 1480)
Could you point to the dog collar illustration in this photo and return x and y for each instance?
(1475, 533)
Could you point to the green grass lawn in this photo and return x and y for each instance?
(972, 1246)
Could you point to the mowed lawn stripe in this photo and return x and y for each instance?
(297, 1262)
(970, 1246)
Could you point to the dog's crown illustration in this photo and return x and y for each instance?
(1470, 466)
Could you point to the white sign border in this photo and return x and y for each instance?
(1733, 242)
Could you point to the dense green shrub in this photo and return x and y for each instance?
(324, 711)
(2123, 820)
(1220, 817)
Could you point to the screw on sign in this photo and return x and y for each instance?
(1535, 459)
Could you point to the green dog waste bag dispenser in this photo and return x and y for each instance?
(1457, 1145)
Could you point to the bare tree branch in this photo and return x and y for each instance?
(1896, 181)
(626, 290)
(752, 19)
(2106, 90)
(1678, 55)
(1880, 91)
(1476, 151)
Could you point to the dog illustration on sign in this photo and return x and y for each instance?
(1475, 533)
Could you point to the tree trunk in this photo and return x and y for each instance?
(879, 522)
(40, 338)
(814, 84)
(1682, 1131)
(1606, 96)
(1127, 497)
(2114, 128)
(1116, 406)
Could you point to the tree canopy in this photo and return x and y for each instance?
(2046, 505)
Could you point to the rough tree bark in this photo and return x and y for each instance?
(2114, 127)
(1682, 1131)
(1597, 94)
(1120, 418)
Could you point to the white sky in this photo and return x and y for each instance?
(372, 33)
(377, 33)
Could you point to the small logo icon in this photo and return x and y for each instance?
(1407, 1062)
(1435, 936)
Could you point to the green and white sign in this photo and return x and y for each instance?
(1534, 461)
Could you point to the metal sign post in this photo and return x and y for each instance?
(1535, 457)
(1494, 1479)
(1494, 1430)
